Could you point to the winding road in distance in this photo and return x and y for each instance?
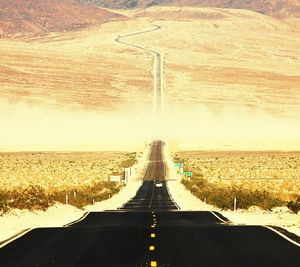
(150, 230)
(157, 68)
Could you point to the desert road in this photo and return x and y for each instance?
(150, 230)
(157, 68)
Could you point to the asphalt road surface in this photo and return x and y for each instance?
(149, 230)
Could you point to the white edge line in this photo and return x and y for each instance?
(16, 237)
(28, 230)
(77, 221)
(166, 181)
(282, 235)
(171, 196)
(123, 205)
(218, 217)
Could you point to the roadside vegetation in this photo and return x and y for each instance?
(36, 181)
(37, 198)
(212, 184)
(294, 205)
(223, 196)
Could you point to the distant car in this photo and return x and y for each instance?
(158, 184)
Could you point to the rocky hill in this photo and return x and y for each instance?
(19, 17)
(275, 8)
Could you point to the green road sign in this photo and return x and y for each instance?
(188, 174)
(178, 164)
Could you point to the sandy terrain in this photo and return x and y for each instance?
(86, 70)
(231, 79)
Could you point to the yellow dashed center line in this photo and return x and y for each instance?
(153, 235)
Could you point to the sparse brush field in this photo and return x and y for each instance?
(37, 180)
(264, 179)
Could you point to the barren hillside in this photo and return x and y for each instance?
(275, 8)
(18, 17)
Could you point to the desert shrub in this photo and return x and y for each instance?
(32, 198)
(80, 197)
(36, 198)
(129, 161)
(178, 159)
(53, 175)
(3, 202)
(223, 196)
(294, 205)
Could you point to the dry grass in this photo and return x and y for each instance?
(53, 171)
(37, 180)
(277, 172)
(257, 178)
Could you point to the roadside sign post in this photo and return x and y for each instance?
(115, 178)
(128, 173)
(234, 204)
(178, 164)
(188, 174)
(179, 167)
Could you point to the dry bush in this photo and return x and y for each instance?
(264, 179)
(223, 197)
(294, 205)
(84, 196)
(31, 198)
(37, 180)
(36, 198)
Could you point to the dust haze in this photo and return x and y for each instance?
(232, 128)
(231, 82)
(26, 127)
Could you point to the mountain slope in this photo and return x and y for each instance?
(19, 17)
(275, 8)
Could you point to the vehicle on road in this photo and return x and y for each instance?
(158, 184)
